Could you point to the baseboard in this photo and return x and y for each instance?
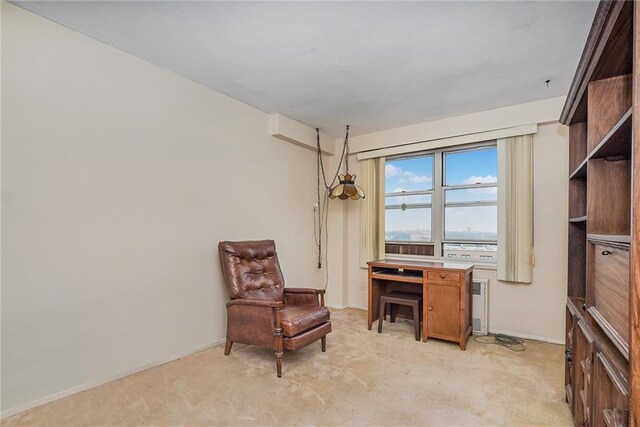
(526, 336)
(83, 387)
(496, 331)
(336, 307)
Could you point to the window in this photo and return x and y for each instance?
(408, 205)
(443, 203)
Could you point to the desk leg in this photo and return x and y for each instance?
(374, 300)
(425, 309)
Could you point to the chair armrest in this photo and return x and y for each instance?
(254, 321)
(304, 291)
(255, 302)
(304, 296)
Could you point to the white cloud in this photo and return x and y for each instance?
(419, 178)
(399, 190)
(480, 179)
(404, 176)
(392, 170)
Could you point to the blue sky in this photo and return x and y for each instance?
(409, 174)
(461, 167)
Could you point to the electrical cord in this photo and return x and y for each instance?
(322, 215)
(326, 239)
(344, 157)
(511, 343)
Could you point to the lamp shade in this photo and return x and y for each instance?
(346, 189)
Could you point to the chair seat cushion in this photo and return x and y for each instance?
(300, 318)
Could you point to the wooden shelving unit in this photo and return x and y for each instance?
(577, 198)
(622, 238)
(609, 197)
(578, 259)
(603, 342)
(616, 143)
(580, 172)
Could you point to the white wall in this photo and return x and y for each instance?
(534, 310)
(118, 180)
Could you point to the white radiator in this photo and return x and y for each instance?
(480, 304)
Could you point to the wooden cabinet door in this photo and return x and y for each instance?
(611, 398)
(443, 311)
(568, 367)
(582, 373)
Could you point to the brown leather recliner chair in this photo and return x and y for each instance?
(261, 310)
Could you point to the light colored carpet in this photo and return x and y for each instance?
(363, 379)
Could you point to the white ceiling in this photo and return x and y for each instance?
(373, 65)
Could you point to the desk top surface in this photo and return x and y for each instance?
(442, 265)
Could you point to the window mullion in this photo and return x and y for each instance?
(408, 193)
(471, 204)
(437, 213)
(471, 186)
(410, 206)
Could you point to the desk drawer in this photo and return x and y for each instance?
(443, 275)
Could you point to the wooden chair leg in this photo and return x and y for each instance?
(393, 309)
(279, 363)
(416, 320)
(227, 347)
(279, 341)
(383, 308)
(323, 343)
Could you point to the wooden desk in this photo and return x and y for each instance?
(446, 294)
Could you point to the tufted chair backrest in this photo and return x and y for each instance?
(251, 269)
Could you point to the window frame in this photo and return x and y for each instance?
(438, 203)
(429, 192)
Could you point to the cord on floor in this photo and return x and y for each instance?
(512, 343)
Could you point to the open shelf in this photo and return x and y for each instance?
(617, 142)
(577, 144)
(580, 172)
(577, 278)
(608, 101)
(609, 197)
(408, 276)
(577, 198)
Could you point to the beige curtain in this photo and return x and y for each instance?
(372, 210)
(515, 209)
